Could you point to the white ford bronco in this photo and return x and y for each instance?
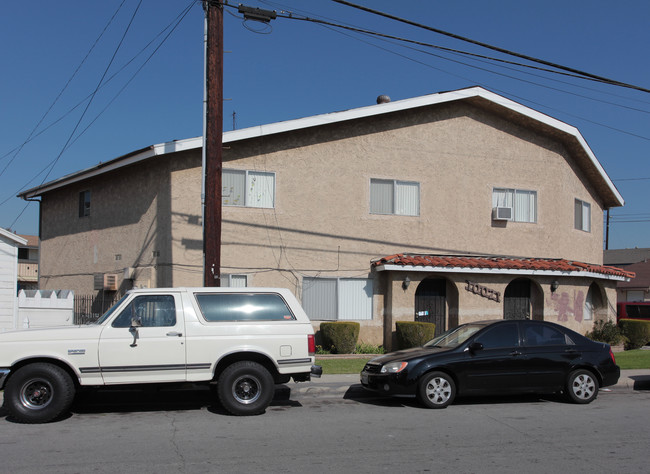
(244, 339)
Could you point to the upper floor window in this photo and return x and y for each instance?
(84, 203)
(523, 203)
(582, 218)
(248, 188)
(389, 196)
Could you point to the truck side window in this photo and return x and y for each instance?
(243, 307)
(150, 310)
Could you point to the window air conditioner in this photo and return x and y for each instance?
(110, 282)
(501, 213)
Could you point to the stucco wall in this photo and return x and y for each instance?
(148, 216)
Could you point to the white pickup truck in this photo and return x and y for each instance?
(244, 339)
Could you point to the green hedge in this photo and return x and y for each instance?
(413, 333)
(637, 332)
(339, 337)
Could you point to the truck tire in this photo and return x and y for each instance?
(245, 388)
(38, 393)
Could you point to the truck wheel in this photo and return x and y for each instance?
(38, 393)
(245, 388)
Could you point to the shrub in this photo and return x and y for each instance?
(605, 331)
(339, 337)
(413, 333)
(636, 331)
(363, 348)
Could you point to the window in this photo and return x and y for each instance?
(582, 215)
(332, 299)
(234, 281)
(248, 188)
(149, 311)
(389, 196)
(243, 307)
(500, 336)
(523, 203)
(541, 335)
(84, 203)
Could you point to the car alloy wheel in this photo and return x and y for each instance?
(436, 390)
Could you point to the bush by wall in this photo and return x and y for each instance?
(340, 337)
(413, 333)
(605, 331)
(637, 332)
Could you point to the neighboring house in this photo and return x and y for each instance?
(9, 244)
(28, 263)
(448, 208)
(633, 260)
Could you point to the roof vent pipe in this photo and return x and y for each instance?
(383, 99)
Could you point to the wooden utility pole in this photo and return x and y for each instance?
(213, 131)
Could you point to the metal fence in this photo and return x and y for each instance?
(89, 308)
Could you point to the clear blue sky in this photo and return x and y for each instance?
(293, 69)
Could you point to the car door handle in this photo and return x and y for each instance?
(175, 334)
(515, 353)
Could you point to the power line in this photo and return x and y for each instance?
(496, 48)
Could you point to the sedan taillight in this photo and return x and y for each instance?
(611, 354)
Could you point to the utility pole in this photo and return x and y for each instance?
(213, 135)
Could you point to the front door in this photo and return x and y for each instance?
(516, 300)
(154, 351)
(431, 303)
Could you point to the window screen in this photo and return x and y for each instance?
(243, 307)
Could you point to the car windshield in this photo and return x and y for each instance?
(110, 311)
(454, 337)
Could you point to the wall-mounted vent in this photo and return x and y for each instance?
(501, 213)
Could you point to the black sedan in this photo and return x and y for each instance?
(496, 357)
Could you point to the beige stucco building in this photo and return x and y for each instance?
(316, 204)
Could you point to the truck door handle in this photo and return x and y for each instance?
(175, 334)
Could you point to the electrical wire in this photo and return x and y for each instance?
(495, 48)
(173, 25)
(56, 99)
(71, 135)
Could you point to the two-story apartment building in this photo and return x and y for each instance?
(450, 207)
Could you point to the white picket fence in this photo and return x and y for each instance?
(45, 308)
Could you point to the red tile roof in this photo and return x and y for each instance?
(500, 263)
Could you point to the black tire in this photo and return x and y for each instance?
(436, 390)
(245, 388)
(38, 393)
(581, 386)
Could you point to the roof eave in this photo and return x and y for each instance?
(499, 271)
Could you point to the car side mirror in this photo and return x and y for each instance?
(135, 324)
(475, 347)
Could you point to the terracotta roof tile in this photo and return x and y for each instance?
(500, 263)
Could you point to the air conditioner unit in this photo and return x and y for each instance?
(110, 282)
(501, 213)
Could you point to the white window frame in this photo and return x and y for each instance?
(582, 215)
(247, 191)
(399, 199)
(234, 280)
(348, 304)
(513, 201)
